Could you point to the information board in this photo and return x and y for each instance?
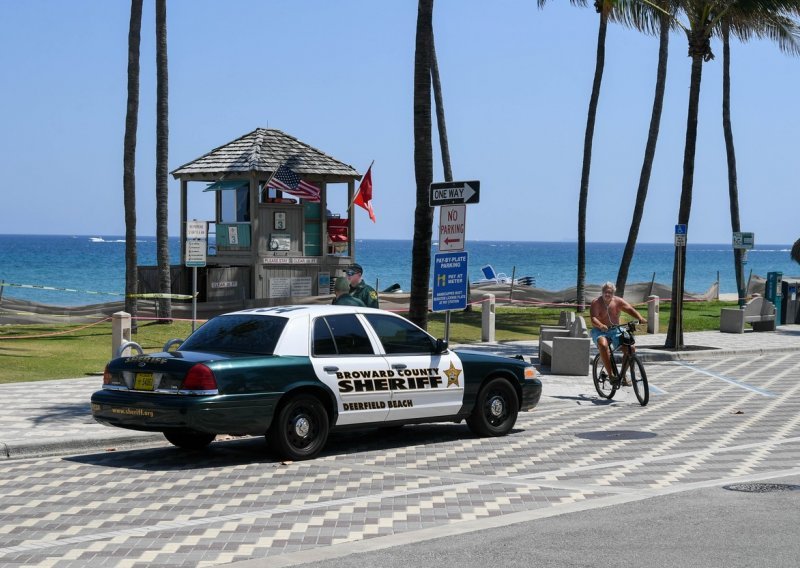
(450, 281)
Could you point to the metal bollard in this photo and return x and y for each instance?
(487, 318)
(652, 314)
(120, 333)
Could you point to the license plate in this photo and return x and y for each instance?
(143, 382)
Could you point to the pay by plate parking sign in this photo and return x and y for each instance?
(449, 281)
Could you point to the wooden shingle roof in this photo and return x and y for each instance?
(263, 150)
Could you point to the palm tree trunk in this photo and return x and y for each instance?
(441, 126)
(675, 332)
(587, 157)
(733, 187)
(649, 154)
(129, 160)
(162, 156)
(423, 168)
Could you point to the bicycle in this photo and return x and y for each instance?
(605, 385)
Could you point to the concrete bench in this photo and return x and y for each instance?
(565, 321)
(758, 312)
(566, 351)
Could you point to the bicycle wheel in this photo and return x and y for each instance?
(639, 379)
(600, 376)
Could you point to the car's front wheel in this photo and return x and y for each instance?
(189, 439)
(496, 409)
(300, 429)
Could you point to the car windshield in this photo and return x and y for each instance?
(256, 335)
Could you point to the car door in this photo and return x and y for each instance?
(424, 383)
(345, 358)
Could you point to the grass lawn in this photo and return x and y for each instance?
(42, 352)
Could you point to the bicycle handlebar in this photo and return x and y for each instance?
(631, 325)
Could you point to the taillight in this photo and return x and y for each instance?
(106, 376)
(199, 378)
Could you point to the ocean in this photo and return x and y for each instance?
(92, 267)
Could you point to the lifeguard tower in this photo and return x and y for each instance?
(268, 246)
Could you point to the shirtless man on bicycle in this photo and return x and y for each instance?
(605, 312)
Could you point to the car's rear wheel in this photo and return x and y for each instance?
(189, 439)
(300, 429)
(496, 409)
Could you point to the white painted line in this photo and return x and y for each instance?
(734, 382)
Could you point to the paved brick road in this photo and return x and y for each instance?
(709, 422)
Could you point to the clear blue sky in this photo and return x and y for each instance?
(338, 75)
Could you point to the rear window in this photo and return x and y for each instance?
(237, 334)
(341, 335)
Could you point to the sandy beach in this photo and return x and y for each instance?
(13, 311)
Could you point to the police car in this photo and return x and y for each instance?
(294, 373)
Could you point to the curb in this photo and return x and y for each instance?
(646, 354)
(68, 445)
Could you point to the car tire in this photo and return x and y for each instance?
(496, 409)
(189, 439)
(300, 429)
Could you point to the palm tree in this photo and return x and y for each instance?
(795, 254)
(645, 21)
(604, 9)
(761, 19)
(440, 123)
(423, 167)
(704, 17)
(129, 160)
(162, 168)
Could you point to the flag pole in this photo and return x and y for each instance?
(272, 175)
(359, 188)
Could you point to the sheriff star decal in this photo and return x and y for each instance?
(452, 375)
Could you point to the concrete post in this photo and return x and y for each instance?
(120, 332)
(652, 314)
(487, 318)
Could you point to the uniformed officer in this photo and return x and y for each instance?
(342, 290)
(358, 288)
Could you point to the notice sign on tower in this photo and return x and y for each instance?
(452, 226)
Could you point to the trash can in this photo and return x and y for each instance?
(790, 307)
(773, 290)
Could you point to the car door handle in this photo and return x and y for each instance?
(330, 369)
(399, 366)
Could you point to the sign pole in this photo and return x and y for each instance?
(195, 256)
(679, 298)
(680, 243)
(194, 297)
(447, 326)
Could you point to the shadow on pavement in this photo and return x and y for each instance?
(253, 449)
(66, 412)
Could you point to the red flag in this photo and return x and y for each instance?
(364, 195)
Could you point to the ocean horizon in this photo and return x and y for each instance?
(90, 269)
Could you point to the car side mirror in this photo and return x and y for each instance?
(441, 346)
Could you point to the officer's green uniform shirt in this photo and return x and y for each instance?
(347, 300)
(366, 294)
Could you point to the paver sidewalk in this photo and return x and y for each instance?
(54, 417)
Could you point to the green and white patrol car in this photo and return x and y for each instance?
(294, 373)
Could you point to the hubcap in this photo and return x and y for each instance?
(496, 406)
(302, 426)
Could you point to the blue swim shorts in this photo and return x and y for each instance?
(612, 334)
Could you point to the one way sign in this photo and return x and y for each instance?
(455, 192)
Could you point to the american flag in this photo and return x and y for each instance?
(287, 180)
